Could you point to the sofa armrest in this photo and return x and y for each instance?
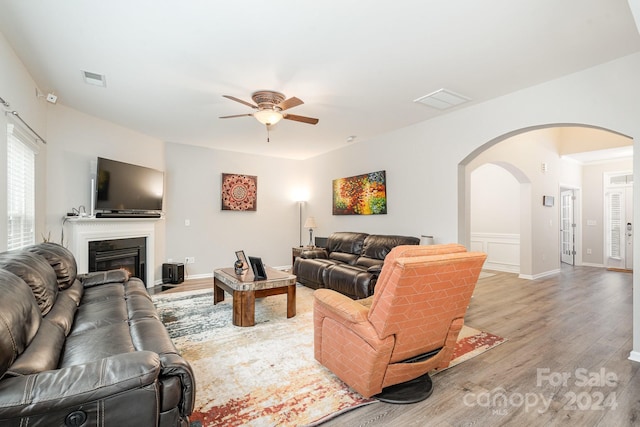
(78, 387)
(315, 253)
(375, 269)
(175, 365)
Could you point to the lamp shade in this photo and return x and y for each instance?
(310, 223)
(268, 117)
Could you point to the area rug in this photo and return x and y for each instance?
(265, 375)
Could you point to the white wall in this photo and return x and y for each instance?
(495, 201)
(193, 194)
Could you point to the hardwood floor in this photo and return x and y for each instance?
(565, 361)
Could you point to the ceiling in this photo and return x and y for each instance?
(358, 66)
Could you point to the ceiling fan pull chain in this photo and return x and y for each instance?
(267, 133)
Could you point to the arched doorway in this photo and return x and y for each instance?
(536, 152)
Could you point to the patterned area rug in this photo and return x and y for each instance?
(265, 375)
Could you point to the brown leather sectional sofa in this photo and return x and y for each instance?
(88, 351)
(350, 264)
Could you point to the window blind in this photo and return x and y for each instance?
(614, 207)
(21, 160)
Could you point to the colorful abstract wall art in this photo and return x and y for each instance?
(239, 192)
(360, 195)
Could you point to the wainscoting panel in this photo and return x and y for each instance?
(503, 250)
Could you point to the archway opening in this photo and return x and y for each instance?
(537, 158)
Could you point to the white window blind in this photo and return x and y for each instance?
(21, 160)
(614, 213)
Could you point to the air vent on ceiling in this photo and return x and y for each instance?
(442, 99)
(94, 79)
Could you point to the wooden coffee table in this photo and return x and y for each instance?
(245, 290)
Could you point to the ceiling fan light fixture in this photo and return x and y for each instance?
(268, 117)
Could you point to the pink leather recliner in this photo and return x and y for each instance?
(391, 340)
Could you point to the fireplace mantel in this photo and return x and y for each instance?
(88, 229)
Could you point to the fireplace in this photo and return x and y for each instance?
(83, 231)
(128, 254)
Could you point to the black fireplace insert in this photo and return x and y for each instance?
(128, 254)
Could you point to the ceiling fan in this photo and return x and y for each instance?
(270, 108)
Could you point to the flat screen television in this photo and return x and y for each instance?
(128, 188)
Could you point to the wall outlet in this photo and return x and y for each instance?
(589, 251)
(190, 260)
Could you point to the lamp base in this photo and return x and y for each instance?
(310, 237)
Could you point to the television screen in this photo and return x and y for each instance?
(124, 187)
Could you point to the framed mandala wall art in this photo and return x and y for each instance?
(239, 192)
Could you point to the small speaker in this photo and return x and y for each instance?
(173, 273)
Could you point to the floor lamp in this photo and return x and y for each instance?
(300, 202)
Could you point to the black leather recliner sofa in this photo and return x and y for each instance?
(87, 352)
(350, 264)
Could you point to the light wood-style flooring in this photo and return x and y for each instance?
(565, 361)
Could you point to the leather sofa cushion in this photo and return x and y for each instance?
(343, 257)
(36, 272)
(20, 318)
(43, 352)
(96, 344)
(97, 314)
(366, 262)
(61, 259)
(346, 242)
(113, 291)
(378, 246)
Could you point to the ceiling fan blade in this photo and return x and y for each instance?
(233, 98)
(290, 103)
(235, 115)
(302, 119)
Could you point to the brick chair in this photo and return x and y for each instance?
(385, 345)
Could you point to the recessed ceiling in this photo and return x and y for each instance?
(608, 154)
(357, 67)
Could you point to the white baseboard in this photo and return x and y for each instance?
(634, 356)
(591, 264)
(498, 266)
(199, 276)
(539, 275)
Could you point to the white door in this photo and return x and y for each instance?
(628, 252)
(567, 227)
(619, 228)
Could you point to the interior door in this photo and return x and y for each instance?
(628, 252)
(567, 227)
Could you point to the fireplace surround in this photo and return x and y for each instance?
(83, 230)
